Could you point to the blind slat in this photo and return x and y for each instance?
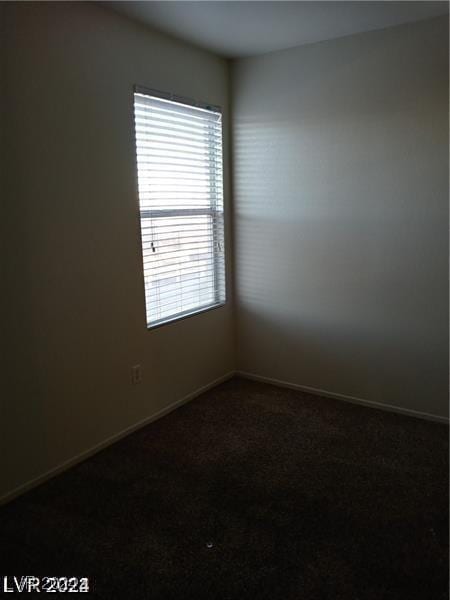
(181, 112)
(171, 271)
(189, 288)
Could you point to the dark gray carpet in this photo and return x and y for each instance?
(301, 498)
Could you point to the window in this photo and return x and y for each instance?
(179, 162)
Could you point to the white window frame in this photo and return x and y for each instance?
(217, 214)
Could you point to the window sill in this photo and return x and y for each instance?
(185, 315)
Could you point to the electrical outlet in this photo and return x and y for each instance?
(136, 374)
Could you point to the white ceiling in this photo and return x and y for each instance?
(246, 28)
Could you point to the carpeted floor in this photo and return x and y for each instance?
(249, 492)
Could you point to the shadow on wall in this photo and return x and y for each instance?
(341, 202)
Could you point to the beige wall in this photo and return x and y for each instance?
(75, 316)
(341, 209)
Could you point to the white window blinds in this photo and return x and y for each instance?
(179, 162)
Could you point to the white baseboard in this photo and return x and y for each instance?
(25, 487)
(352, 399)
